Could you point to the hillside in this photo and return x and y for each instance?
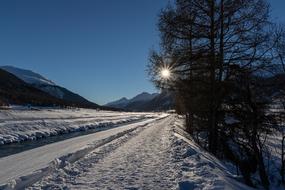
(38, 81)
(15, 91)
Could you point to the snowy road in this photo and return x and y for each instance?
(144, 155)
(143, 162)
(24, 163)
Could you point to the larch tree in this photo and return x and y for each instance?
(218, 51)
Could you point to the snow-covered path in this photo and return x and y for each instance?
(150, 157)
(22, 164)
(145, 155)
(143, 162)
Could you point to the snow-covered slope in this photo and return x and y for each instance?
(15, 91)
(28, 76)
(46, 85)
(52, 90)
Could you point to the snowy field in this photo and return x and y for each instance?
(147, 154)
(22, 124)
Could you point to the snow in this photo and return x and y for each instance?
(52, 90)
(231, 120)
(122, 102)
(20, 125)
(150, 154)
(200, 169)
(28, 76)
(23, 169)
(142, 97)
(273, 159)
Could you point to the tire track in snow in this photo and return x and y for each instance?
(141, 162)
(24, 169)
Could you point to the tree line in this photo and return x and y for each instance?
(224, 57)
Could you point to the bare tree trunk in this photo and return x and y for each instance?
(262, 171)
(282, 170)
(212, 62)
(221, 53)
(255, 141)
(282, 160)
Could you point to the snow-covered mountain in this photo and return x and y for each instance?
(28, 76)
(143, 97)
(124, 102)
(38, 81)
(119, 103)
(15, 91)
(145, 102)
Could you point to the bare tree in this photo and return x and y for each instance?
(218, 52)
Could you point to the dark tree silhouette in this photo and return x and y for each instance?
(219, 52)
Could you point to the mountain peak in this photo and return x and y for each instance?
(39, 82)
(144, 93)
(28, 76)
(145, 102)
(144, 96)
(118, 103)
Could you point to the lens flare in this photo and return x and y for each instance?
(165, 73)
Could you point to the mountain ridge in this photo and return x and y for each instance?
(145, 102)
(40, 82)
(15, 91)
(26, 75)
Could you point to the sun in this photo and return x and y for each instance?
(165, 73)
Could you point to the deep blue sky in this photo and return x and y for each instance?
(97, 48)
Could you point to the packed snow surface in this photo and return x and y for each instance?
(149, 154)
(19, 168)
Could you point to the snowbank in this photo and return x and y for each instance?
(201, 170)
(21, 125)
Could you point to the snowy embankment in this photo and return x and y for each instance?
(272, 154)
(20, 125)
(21, 170)
(199, 168)
(149, 155)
